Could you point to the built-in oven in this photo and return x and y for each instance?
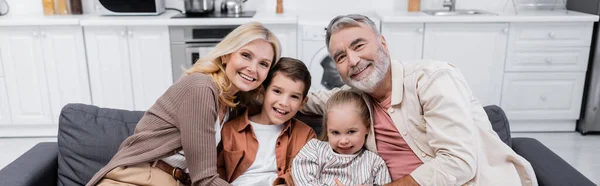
(189, 43)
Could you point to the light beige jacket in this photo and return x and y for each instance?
(445, 126)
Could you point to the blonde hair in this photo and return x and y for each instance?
(342, 98)
(212, 64)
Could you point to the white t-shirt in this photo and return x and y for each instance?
(264, 169)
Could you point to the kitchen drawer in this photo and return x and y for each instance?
(558, 59)
(550, 34)
(542, 96)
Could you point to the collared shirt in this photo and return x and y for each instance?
(445, 126)
(239, 146)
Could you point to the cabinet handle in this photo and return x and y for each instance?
(130, 33)
(34, 34)
(505, 30)
(122, 32)
(548, 60)
(551, 35)
(420, 30)
(543, 98)
(43, 34)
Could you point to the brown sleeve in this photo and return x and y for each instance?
(196, 118)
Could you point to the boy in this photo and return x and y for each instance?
(259, 149)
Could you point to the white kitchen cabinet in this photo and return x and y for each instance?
(130, 67)
(542, 96)
(44, 69)
(67, 73)
(25, 76)
(4, 105)
(150, 57)
(477, 49)
(109, 67)
(287, 35)
(404, 40)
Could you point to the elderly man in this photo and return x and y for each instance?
(427, 125)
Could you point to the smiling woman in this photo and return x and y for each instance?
(175, 142)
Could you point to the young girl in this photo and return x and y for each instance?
(175, 141)
(340, 157)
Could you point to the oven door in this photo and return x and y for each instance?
(185, 55)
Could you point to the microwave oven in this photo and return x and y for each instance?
(129, 7)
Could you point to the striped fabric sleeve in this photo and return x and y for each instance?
(381, 174)
(305, 167)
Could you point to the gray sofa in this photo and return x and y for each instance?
(89, 136)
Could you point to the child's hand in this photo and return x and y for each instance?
(338, 183)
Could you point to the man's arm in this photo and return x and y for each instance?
(446, 102)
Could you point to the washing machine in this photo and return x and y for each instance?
(313, 52)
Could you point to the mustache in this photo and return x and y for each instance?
(361, 65)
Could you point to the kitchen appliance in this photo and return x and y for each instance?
(589, 120)
(199, 6)
(232, 6)
(4, 8)
(245, 14)
(189, 43)
(129, 7)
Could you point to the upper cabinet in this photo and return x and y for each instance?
(287, 35)
(404, 40)
(130, 67)
(44, 69)
(477, 49)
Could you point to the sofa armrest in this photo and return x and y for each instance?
(550, 169)
(38, 166)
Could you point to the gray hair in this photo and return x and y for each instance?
(344, 21)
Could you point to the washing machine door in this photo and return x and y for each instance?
(323, 71)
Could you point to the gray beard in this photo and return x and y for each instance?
(371, 81)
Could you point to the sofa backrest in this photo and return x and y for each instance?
(89, 136)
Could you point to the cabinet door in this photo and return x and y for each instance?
(109, 70)
(287, 35)
(25, 76)
(64, 56)
(478, 50)
(150, 56)
(543, 96)
(404, 41)
(4, 106)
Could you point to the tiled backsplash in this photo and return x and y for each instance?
(25, 7)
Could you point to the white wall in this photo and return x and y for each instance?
(28, 7)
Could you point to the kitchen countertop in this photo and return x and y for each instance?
(523, 16)
(272, 18)
(160, 20)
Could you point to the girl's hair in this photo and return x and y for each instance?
(212, 64)
(343, 98)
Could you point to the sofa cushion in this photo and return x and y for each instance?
(88, 137)
(499, 123)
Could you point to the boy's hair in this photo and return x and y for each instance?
(346, 97)
(293, 69)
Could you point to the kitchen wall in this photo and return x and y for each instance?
(29, 7)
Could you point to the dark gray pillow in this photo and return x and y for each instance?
(499, 123)
(88, 137)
